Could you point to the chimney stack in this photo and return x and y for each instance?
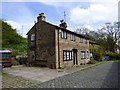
(63, 24)
(41, 17)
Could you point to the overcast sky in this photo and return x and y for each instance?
(91, 13)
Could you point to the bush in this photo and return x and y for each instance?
(91, 62)
(112, 56)
(97, 56)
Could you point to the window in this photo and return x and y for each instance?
(33, 37)
(67, 55)
(33, 56)
(72, 37)
(81, 40)
(85, 41)
(63, 34)
(4, 56)
(83, 55)
(87, 55)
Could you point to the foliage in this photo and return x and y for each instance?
(113, 56)
(12, 41)
(81, 30)
(18, 49)
(108, 35)
(97, 52)
(92, 61)
(9, 35)
(97, 56)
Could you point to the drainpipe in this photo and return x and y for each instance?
(35, 41)
(58, 52)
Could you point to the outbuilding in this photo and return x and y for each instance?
(5, 58)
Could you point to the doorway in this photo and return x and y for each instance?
(75, 61)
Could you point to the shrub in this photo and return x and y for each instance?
(91, 62)
(91, 58)
(112, 56)
(97, 56)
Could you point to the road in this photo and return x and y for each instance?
(104, 75)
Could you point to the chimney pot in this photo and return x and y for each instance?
(41, 17)
(63, 24)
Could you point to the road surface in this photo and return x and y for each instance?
(104, 75)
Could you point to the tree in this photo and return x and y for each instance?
(109, 35)
(9, 35)
(82, 30)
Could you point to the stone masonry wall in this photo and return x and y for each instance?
(31, 45)
(67, 44)
(45, 44)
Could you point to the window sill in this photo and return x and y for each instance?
(83, 58)
(67, 60)
(63, 38)
(33, 41)
(72, 40)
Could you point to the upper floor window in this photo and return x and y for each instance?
(67, 55)
(72, 37)
(63, 34)
(83, 55)
(81, 40)
(33, 37)
(85, 41)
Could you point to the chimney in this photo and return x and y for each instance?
(63, 24)
(41, 17)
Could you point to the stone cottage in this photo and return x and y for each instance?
(56, 46)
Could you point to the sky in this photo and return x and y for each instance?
(21, 14)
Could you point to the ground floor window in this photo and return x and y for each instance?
(87, 55)
(83, 55)
(67, 55)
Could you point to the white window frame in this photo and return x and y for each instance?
(87, 54)
(32, 37)
(63, 34)
(81, 40)
(72, 37)
(83, 55)
(67, 55)
(86, 41)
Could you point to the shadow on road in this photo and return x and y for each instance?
(112, 79)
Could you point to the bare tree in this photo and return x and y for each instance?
(82, 30)
(112, 35)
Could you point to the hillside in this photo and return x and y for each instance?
(13, 41)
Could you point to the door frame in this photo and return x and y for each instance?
(75, 59)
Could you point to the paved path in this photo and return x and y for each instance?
(42, 74)
(10, 81)
(101, 76)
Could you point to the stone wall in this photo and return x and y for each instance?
(67, 44)
(49, 50)
(31, 46)
(45, 44)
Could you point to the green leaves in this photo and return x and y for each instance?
(11, 40)
(9, 35)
